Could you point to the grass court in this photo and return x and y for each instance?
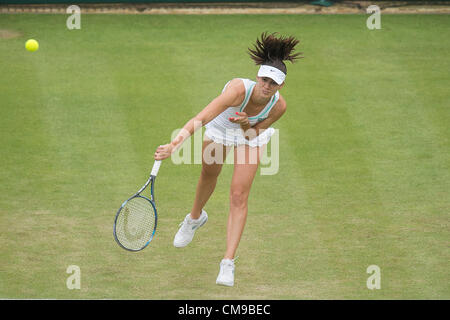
(364, 174)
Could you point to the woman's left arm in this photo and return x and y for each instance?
(252, 132)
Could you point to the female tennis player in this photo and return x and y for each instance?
(240, 118)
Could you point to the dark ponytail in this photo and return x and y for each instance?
(271, 50)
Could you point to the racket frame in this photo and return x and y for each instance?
(152, 202)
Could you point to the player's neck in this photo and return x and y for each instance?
(257, 99)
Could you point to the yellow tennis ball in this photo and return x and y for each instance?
(31, 45)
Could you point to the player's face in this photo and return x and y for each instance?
(268, 86)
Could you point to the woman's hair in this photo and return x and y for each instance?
(272, 51)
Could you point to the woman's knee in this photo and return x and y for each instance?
(211, 171)
(238, 198)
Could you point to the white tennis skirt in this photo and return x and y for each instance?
(234, 137)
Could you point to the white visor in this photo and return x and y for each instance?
(273, 73)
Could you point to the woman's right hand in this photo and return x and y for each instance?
(163, 152)
(166, 150)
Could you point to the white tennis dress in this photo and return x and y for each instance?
(221, 130)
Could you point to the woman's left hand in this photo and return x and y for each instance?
(242, 119)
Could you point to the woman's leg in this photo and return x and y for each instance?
(243, 175)
(208, 177)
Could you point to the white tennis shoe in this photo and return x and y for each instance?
(187, 229)
(226, 273)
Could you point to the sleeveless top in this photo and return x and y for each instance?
(221, 121)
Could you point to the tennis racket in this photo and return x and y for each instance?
(135, 222)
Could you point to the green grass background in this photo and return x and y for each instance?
(364, 174)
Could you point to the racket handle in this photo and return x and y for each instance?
(156, 168)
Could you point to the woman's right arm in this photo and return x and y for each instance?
(231, 96)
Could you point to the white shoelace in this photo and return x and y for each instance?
(184, 223)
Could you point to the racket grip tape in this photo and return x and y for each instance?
(155, 168)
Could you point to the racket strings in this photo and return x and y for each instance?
(136, 223)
